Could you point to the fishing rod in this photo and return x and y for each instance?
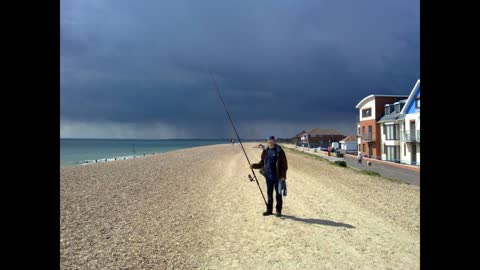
(238, 137)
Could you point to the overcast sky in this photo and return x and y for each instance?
(139, 69)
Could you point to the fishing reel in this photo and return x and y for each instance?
(250, 177)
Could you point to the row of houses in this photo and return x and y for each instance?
(322, 138)
(317, 137)
(389, 127)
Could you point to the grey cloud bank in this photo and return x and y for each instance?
(139, 69)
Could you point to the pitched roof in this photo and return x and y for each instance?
(391, 117)
(303, 132)
(317, 131)
(349, 138)
(410, 97)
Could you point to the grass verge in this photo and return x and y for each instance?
(343, 164)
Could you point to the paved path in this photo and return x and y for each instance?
(402, 174)
(311, 151)
(405, 175)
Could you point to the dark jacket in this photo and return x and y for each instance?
(281, 162)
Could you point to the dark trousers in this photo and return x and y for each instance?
(271, 185)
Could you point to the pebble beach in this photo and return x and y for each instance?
(196, 209)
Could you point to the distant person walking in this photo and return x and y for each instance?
(273, 165)
(359, 158)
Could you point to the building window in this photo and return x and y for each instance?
(392, 132)
(367, 112)
(384, 148)
(397, 108)
(387, 109)
(404, 149)
(417, 103)
(393, 153)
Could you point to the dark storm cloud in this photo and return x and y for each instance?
(143, 65)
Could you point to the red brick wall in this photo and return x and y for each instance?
(375, 136)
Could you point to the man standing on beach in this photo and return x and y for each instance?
(273, 162)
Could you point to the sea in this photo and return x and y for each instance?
(84, 151)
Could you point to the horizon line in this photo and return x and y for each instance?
(161, 139)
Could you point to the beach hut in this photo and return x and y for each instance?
(349, 144)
